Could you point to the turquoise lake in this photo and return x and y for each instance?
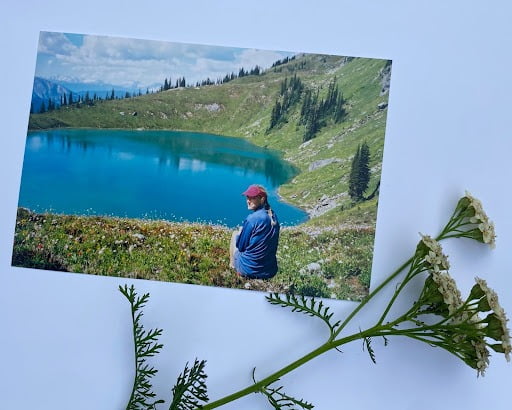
(175, 176)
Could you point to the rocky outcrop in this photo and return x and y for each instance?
(324, 204)
(323, 162)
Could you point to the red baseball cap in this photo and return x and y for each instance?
(254, 190)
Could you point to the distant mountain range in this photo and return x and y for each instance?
(45, 90)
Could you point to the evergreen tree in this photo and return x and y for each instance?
(360, 173)
(306, 105)
(255, 71)
(284, 86)
(364, 167)
(276, 115)
(339, 110)
(289, 94)
(312, 123)
(311, 118)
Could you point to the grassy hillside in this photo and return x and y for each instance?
(192, 253)
(243, 107)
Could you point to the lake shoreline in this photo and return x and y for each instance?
(183, 170)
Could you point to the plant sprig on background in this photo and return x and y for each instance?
(145, 345)
(279, 399)
(190, 388)
(308, 306)
(439, 317)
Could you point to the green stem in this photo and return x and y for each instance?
(257, 387)
(135, 379)
(374, 331)
(371, 295)
(413, 271)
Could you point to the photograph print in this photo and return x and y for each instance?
(206, 165)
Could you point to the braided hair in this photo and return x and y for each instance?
(267, 207)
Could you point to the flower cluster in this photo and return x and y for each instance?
(497, 320)
(461, 331)
(459, 328)
(485, 226)
(469, 220)
(447, 287)
(434, 258)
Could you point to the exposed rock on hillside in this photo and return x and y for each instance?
(323, 162)
(214, 107)
(325, 204)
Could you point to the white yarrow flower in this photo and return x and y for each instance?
(480, 218)
(448, 289)
(492, 299)
(475, 204)
(482, 355)
(488, 233)
(435, 257)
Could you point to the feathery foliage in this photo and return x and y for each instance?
(190, 388)
(308, 306)
(280, 400)
(146, 345)
(368, 344)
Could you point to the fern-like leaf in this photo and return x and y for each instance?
(280, 400)
(386, 341)
(368, 344)
(146, 345)
(190, 388)
(308, 306)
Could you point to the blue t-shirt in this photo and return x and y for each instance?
(257, 245)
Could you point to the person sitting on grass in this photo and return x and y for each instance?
(253, 248)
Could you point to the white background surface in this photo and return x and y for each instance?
(65, 340)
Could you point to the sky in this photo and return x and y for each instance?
(139, 64)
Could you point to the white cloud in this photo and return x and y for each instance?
(55, 44)
(249, 58)
(142, 63)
